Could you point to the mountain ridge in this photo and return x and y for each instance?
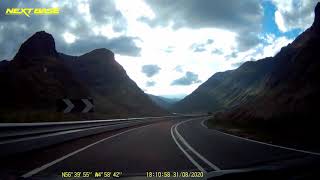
(38, 76)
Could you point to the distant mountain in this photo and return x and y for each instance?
(280, 88)
(165, 103)
(39, 75)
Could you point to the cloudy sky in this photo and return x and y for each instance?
(168, 47)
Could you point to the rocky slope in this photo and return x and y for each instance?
(291, 91)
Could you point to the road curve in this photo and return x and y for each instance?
(230, 152)
(172, 145)
(134, 152)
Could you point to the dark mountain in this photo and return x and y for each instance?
(165, 103)
(281, 88)
(39, 45)
(3, 64)
(39, 75)
(36, 78)
(291, 91)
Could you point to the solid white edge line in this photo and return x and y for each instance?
(264, 143)
(43, 167)
(186, 153)
(192, 149)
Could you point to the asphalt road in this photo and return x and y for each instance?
(229, 152)
(173, 145)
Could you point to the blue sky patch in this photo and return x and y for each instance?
(269, 23)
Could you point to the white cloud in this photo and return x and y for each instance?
(134, 9)
(84, 10)
(69, 38)
(204, 64)
(280, 22)
(107, 31)
(81, 26)
(269, 47)
(292, 14)
(274, 47)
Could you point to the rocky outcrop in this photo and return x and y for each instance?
(40, 44)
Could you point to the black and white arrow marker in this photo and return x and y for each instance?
(75, 105)
(88, 104)
(69, 107)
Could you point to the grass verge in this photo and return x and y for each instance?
(288, 135)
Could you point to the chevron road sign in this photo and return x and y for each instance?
(75, 105)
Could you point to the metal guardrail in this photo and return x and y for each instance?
(11, 130)
(22, 137)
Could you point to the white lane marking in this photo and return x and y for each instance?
(41, 168)
(192, 149)
(264, 143)
(202, 123)
(194, 162)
